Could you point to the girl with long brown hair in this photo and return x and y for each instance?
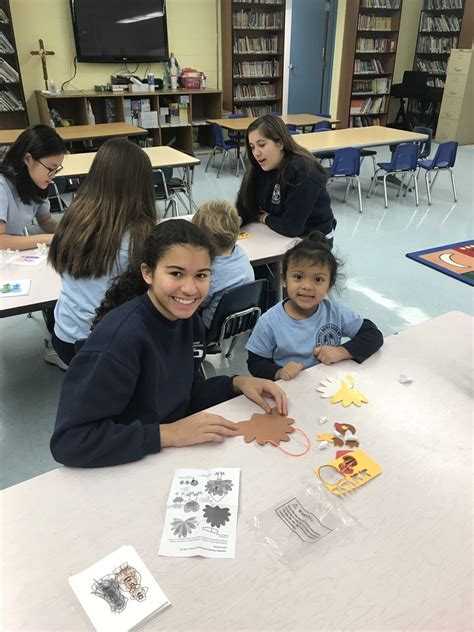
(102, 231)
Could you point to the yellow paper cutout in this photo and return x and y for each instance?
(341, 390)
(325, 437)
(355, 469)
(244, 235)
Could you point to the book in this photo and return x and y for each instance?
(118, 593)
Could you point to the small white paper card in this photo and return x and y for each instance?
(201, 514)
(28, 259)
(118, 592)
(19, 287)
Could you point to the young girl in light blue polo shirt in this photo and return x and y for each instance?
(307, 328)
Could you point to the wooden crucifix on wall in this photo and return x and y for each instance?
(42, 53)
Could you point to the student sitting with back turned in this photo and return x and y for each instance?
(102, 231)
(284, 185)
(26, 172)
(307, 327)
(231, 266)
(135, 387)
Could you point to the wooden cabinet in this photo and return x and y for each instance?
(252, 56)
(456, 121)
(13, 113)
(368, 60)
(178, 117)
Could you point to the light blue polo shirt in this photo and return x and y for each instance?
(16, 214)
(285, 339)
(227, 272)
(79, 298)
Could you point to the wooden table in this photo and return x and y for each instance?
(405, 567)
(81, 132)
(299, 120)
(264, 246)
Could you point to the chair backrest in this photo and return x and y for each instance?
(230, 133)
(405, 157)
(445, 155)
(321, 126)
(346, 162)
(217, 136)
(238, 310)
(424, 146)
(166, 172)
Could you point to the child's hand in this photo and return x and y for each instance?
(198, 428)
(255, 388)
(329, 355)
(289, 371)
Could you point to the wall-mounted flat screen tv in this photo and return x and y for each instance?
(120, 30)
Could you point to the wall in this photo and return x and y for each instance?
(192, 36)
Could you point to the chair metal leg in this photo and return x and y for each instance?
(347, 189)
(374, 164)
(359, 193)
(385, 189)
(434, 179)
(56, 190)
(402, 180)
(222, 163)
(453, 184)
(373, 184)
(233, 342)
(242, 162)
(210, 158)
(428, 189)
(407, 186)
(416, 192)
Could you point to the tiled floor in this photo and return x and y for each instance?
(380, 283)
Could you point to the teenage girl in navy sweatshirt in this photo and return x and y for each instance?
(135, 386)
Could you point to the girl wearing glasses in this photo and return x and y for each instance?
(102, 231)
(25, 174)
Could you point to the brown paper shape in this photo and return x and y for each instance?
(266, 428)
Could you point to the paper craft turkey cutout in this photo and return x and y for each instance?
(266, 428)
(342, 390)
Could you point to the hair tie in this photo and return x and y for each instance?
(308, 442)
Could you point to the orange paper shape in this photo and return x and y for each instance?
(266, 428)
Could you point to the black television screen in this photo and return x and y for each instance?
(120, 30)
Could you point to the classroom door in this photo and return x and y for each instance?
(313, 25)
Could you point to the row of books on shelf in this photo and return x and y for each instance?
(258, 2)
(381, 85)
(364, 121)
(374, 23)
(368, 66)
(3, 17)
(436, 5)
(440, 23)
(371, 105)
(375, 44)
(256, 44)
(5, 46)
(9, 102)
(380, 4)
(429, 44)
(254, 110)
(256, 20)
(7, 73)
(270, 68)
(254, 91)
(435, 82)
(173, 112)
(433, 66)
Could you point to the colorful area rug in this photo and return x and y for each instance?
(457, 260)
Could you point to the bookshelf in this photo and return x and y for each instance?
(13, 113)
(439, 32)
(368, 60)
(172, 117)
(252, 56)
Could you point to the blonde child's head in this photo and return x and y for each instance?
(221, 222)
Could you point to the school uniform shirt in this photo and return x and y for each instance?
(136, 371)
(16, 214)
(278, 338)
(79, 298)
(299, 203)
(227, 272)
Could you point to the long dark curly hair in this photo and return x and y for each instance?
(130, 284)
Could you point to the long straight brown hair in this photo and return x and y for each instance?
(117, 196)
(272, 128)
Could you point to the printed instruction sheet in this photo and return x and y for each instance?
(201, 513)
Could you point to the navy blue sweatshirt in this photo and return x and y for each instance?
(136, 371)
(297, 204)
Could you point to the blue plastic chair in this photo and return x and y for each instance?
(346, 164)
(404, 161)
(321, 126)
(444, 159)
(234, 135)
(219, 142)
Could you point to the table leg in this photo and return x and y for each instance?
(189, 188)
(278, 285)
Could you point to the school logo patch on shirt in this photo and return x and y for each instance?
(328, 334)
(198, 349)
(276, 195)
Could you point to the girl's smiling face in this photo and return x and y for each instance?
(180, 281)
(266, 152)
(307, 284)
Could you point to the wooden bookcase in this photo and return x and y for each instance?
(108, 107)
(444, 26)
(13, 112)
(368, 60)
(252, 56)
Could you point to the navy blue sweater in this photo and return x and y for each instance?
(136, 371)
